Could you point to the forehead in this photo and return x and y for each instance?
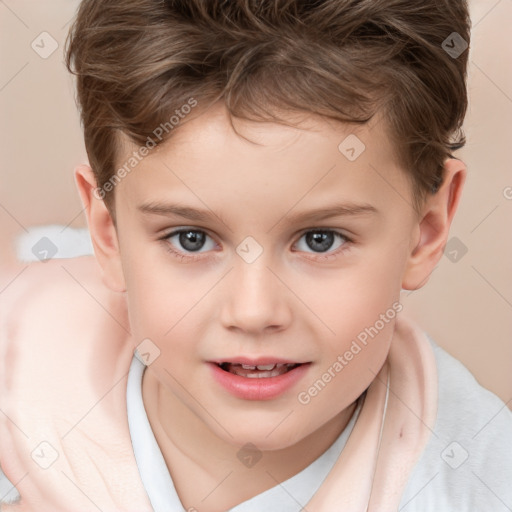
(216, 127)
(266, 163)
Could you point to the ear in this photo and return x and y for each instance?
(102, 229)
(434, 226)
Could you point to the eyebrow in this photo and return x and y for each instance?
(317, 214)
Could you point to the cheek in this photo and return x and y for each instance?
(347, 368)
(159, 293)
(157, 311)
(359, 308)
(354, 299)
(168, 307)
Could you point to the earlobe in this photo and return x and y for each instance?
(434, 226)
(101, 228)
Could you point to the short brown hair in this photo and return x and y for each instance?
(139, 61)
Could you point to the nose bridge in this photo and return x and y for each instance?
(256, 298)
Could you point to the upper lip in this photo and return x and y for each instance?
(259, 361)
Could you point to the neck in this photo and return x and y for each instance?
(205, 469)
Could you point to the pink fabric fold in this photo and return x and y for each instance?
(391, 432)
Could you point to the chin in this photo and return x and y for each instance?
(265, 435)
(263, 442)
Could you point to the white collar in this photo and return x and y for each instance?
(289, 496)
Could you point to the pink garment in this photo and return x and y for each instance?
(391, 431)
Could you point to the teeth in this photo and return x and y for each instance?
(266, 367)
(257, 372)
(264, 374)
(262, 367)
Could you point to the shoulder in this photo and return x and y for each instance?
(64, 344)
(60, 295)
(467, 463)
(36, 283)
(47, 305)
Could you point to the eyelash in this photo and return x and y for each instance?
(348, 242)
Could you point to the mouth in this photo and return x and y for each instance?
(264, 378)
(259, 371)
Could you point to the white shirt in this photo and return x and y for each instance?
(466, 465)
(290, 496)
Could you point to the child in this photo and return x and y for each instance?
(305, 147)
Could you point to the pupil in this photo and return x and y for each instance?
(192, 240)
(325, 238)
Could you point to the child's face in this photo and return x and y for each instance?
(253, 285)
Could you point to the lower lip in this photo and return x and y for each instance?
(265, 388)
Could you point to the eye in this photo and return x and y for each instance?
(188, 240)
(321, 240)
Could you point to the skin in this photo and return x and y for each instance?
(289, 303)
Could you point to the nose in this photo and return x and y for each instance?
(256, 300)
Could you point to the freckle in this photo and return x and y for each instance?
(401, 432)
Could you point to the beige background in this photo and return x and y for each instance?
(466, 306)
